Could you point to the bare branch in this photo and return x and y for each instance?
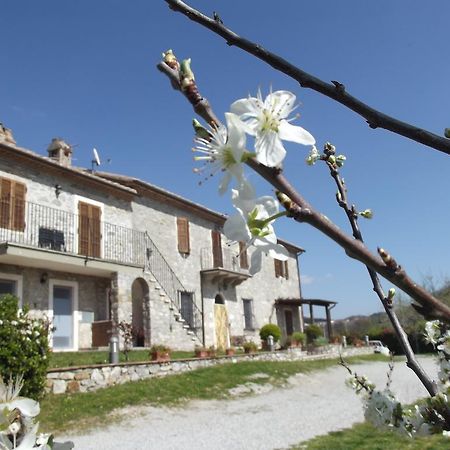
(334, 90)
(352, 216)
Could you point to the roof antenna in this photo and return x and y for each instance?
(96, 159)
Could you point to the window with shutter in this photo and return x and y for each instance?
(281, 269)
(12, 204)
(217, 248)
(248, 314)
(243, 257)
(89, 229)
(183, 235)
(277, 265)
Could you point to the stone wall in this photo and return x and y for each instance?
(91, 378)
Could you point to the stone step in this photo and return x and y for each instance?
(186, 326)
(190, 333)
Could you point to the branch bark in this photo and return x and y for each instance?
(333, 90)
(412, 361)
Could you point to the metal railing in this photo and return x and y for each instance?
(173, 288)
(43, 227)
(230, 260)
(53, 229)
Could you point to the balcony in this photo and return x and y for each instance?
(56, 232)
(223, 268)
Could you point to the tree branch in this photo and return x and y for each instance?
(352, 216)
(335, 90)
(302, 211)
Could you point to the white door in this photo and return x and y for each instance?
(63, 310)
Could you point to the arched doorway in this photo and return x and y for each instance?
(139, 312)
(221, 322)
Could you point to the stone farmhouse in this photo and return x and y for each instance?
(89, 249)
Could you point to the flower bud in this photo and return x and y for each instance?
(329, 148)
(200, 130)
(367, 214)
(391, 294)
(170, 59)
(284, 200)
(186, 74)
(447, 133)
(340, 159)
(332, 159)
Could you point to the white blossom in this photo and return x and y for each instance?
(268, 121)
(223, 151)
(252, 225)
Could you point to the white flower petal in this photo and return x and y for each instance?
(280, 103)
(249, 107)
(236, 136)
(279, 252)
(27, 406)
(223, 186)
(235, 229)
(269, 149)
(293, 133)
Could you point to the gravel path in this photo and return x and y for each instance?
(276, 418)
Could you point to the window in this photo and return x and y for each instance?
(248, 314)
(243, 258)
(12, 204)
(11, 284)
(217, 248)
(183, 235)
(281, 269)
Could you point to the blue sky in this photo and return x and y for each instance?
(85, 71)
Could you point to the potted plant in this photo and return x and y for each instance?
(267, 330)
(298, 339)
(250, 347)
(212, 351)
(200, 352)
(160, 353)
(230, 351)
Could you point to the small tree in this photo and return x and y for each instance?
(126, 332)
(24, 348)
(313, 332)
(270, 330)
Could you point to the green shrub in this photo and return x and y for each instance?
(298, 337)
(320, 342)
(24, 349)
(313, 332)
(270, 329)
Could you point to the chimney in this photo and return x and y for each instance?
(6, 135)
(60, 151)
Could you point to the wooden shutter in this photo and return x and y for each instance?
(5, 199)
(243, 258)
(217, 248)
(89, 230)
(278, 267)
(12, 204)
(183, 235)
(286, 271)
(95, 237)
(18, 221)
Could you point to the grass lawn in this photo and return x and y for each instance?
(85, 358)
(92, 409)
(365, 437)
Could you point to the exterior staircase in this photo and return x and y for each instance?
(166, 282)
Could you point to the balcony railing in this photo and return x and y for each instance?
(43, 227)
(230, 260)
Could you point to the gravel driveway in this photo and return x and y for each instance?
(276, 418)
